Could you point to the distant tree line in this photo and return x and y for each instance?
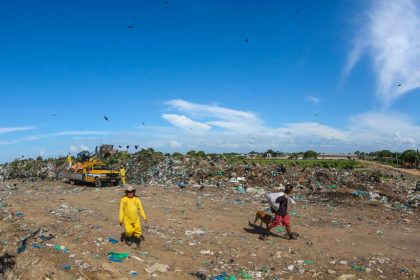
(408, 158)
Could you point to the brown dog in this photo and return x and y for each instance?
(264, 217)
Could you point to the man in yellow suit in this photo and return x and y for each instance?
(69, 161)
(122, 172)
(130, 205)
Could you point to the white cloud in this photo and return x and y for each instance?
(185, 122)
(390, 37)
(390, 130)
(174, 144)
(229, 132)
(311, 130)
(76, 149)
(312, 99)
(368, 131)
(225, 118)
(15, 129)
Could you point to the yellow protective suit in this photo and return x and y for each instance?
(69, 161)
(129, 208)
(122, 172)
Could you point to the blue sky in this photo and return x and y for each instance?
(176, 75)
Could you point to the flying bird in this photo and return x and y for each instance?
(120, 147)
(399, 85)
(246, 40)
(136, 147)
(106, 118)
(128, 147)
(130, 26)
(143, 123)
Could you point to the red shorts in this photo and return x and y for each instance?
(285, 221)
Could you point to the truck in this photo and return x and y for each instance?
(90, 170)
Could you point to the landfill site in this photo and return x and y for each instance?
(359, 222)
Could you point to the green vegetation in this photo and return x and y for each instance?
(310, 155)
(340, 164)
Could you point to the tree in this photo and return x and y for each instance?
(384, 154)
(271, 152)
(191, 153)
(310, 154)
(409, 157)
(201, 154)
(293, 156)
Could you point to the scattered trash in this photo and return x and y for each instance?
(207, 252)
(21, 248)
(22, 242)
(331, 271)
(346, 276)
(137, 258)
(157, 267)
(245, 275)
(67, 267)
(37, 246)
(61, 248)
(358, 268)
(225, 276)
(118, 255)
(114, 259)
(134, 273)
(112, 240)
(360, 193)
(45, 236)
(191, 233)
(19, 214)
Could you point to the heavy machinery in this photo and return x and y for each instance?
(90, 170)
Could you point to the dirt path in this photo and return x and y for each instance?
(334, 234)
(402, 170)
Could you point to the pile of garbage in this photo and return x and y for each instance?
(148, 167)
(32, 170)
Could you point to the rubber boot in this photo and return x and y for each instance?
(137, 242)
(129, 240)
(123, 237)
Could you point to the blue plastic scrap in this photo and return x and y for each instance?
(114, 259)
(112, 240)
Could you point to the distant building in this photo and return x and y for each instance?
(337, 156)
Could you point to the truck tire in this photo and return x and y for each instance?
(98, 182)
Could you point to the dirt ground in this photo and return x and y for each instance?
(402, 170)
(207, 231)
